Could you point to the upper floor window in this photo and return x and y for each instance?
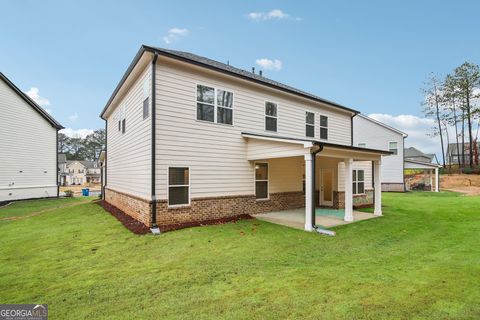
(324, 127)
(358, 181)
(271, 116)
(362, 145)
(309, 124)
(393, 147)
(214, 105)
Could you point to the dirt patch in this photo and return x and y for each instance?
(131, 224)
(139, 228)
(464, 183)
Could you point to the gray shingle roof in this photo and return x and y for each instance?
(86, 163)
(224, 68)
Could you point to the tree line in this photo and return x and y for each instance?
(453, 103)
(77, 148)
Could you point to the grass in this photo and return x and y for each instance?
(419, 261)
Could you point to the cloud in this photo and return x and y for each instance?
(174, 34)
(418, 130)
(34, 94)
(76, 133)
(73, 117)
(275, 14)
(269, 64)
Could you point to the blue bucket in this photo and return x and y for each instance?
(85, 192)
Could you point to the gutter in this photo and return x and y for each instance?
(314, 226)
(154, 228)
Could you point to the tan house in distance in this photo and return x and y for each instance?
(79, 172)
(190, 139)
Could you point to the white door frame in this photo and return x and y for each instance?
(323, 202)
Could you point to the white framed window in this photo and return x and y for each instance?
(214, 105)
(362, 145)
(270, 116)
(178, 186)
(358, 181)
(261, 180)
(324, 127)
(309, 124)
(393, 147)
(145, 108)
(146, 96)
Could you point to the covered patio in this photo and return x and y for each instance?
(328, 177)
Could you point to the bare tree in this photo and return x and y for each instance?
(433, 97)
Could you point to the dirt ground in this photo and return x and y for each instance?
(465, 183)
(78, 188)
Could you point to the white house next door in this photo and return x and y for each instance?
(326, 187)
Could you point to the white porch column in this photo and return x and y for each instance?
(308, 192)
(437, 180)
(348, 190)
(377, 166)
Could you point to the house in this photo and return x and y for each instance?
(28, 146)
(415, 160)
(62, 169)
(371, 133)
(455, 152)
(191, 139)
(81, 172)
(414, 154)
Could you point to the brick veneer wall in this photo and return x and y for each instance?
(203, 209)
(359, 200)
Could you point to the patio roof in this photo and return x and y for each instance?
(413, 164)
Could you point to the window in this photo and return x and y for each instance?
(214, 105)
(178, 186)
(123, 126)
(358, 181)
(271, 116)
(310, 124)
(362, 145)
(393, 147)
(261, 180)
(119, 125)
(323, 127)
(145, 109)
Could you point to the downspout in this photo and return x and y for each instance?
(314, 226)
(154, 228)
(57, 171)
(104, 173)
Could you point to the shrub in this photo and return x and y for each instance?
(68, 193)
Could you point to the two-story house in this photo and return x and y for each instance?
(81, 172)
(190, 139)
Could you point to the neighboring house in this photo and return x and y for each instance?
(412, 153)
(428, 163)
(370, 133)
(62, 169)
(79, 172)
(455, 152)
(190, 139)
(28, 146)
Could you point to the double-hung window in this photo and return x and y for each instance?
(324, 127)
(271, 116)
(261, 180)
(178, 186)
(309, 124)
(393, 147)
(214, 105)
(358, 181)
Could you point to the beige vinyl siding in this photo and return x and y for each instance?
(357, 165)
(217, 153)
(262, 149)
(27, 144)
(286, 174)
(128, 159)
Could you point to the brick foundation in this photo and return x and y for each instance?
(359, 200)
(203, 209)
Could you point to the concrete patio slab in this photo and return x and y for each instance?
(296, 218)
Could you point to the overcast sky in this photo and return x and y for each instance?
(372, 56)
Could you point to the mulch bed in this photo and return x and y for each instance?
(131, 224)
(139, 228)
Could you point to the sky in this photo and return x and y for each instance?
(372, 56)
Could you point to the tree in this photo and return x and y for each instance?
(467, 80)
(433, 97)
(94, 143)
(451, 100)
(63, 143)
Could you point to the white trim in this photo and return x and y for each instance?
(183, 185)
(309, 124)
(27, 187)
(215, 104)
(356, 181)
(265, 116)
(255, 180)
(323, 127)
(389, 149)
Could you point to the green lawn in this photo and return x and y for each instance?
(421, 260)
(25, 208)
